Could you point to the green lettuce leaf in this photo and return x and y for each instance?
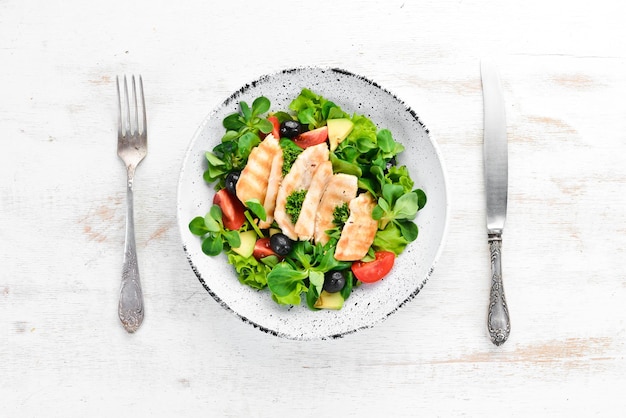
(250, 271)
(313, 110)
(364, 129)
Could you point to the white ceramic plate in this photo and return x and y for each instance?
(368, 304)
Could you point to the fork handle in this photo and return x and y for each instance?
(498, 321)
(130, 308)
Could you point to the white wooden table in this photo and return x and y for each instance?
(63, 351)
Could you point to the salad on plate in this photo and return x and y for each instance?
(310, 201)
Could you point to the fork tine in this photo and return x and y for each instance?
(127, 130)
(144, 125)
(119, 107)
(135, 129)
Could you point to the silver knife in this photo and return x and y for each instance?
(496, 185)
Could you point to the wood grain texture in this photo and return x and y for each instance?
(62, 350)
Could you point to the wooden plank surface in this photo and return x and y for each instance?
(62, 350)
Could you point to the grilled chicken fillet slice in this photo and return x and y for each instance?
(298, 178)
(253, 180)
(359, 231)
(341, 188)
(305, 227)
(275, 178)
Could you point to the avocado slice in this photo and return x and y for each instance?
(338, 130)
(248, 240)
(329, 300)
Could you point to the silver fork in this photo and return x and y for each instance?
(132, 146)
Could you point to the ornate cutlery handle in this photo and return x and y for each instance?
(130, 307)
(498, 321)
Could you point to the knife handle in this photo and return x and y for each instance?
(498, 321)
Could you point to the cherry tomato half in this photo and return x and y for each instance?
(310, 138)
(276, 124)
(262, 248)
(233, 216)
(372, 271)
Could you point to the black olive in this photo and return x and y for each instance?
(290, 129)
(334, 281)
(231, 182)
(390, 164)
(281, 244)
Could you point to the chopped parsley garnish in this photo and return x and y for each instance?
(340, 215)
(294, 204)
(290, 153)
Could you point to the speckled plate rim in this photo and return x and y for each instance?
(183, 223)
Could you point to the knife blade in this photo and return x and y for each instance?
(495, 157)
